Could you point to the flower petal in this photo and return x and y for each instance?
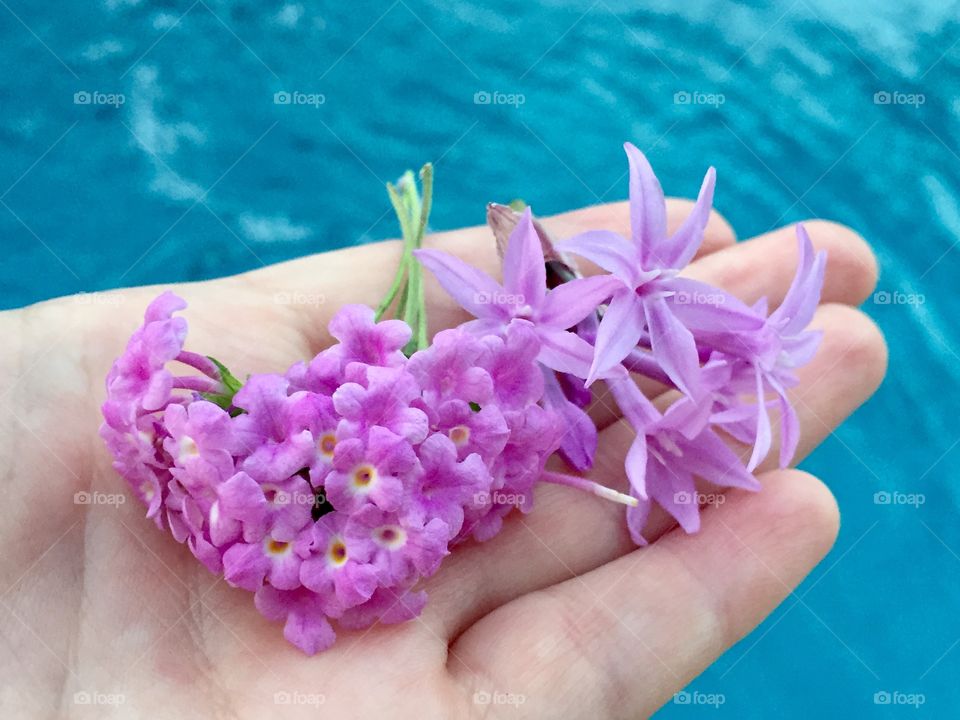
(569, 303)
(579, 441)
(761, 445)
(684, 243)
(704, 307)
(711, 458)
(564, 351)
(803, 297)
(636, 466)
(635, 406)
(673, 345)
(801, 348)
(308, 630)
(474, 290)
(789, 431)
(524, 272)
(648, 212)
(244, 566)
(637, 520)
(676, 493)
(611, 251)
(619, 332)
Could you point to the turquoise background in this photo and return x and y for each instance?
(199, 173)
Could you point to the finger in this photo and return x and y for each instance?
(569, 533)
(764, 267)
(621, 639)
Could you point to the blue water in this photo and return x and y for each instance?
(199, 173)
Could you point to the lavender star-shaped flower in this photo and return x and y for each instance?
(524, 295)
(646, 268)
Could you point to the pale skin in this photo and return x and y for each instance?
(558, 616)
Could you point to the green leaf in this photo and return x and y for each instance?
(226, 377)
(224, 401)
(231, 386)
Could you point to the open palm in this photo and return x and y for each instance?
(558, 616)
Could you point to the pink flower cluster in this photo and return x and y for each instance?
(331, 490)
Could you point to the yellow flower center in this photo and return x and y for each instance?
(337, 553)
(363, 477)
(459, 434)
(327, 444)
(188, 448)
(390, 536)
(276, 547)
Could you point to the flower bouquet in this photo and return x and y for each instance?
(330, 490)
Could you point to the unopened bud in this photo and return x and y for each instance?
(503, 219)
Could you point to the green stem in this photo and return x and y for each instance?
(399, 203)
(413, 213)
(416, 271)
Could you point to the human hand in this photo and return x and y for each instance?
(557, 616)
